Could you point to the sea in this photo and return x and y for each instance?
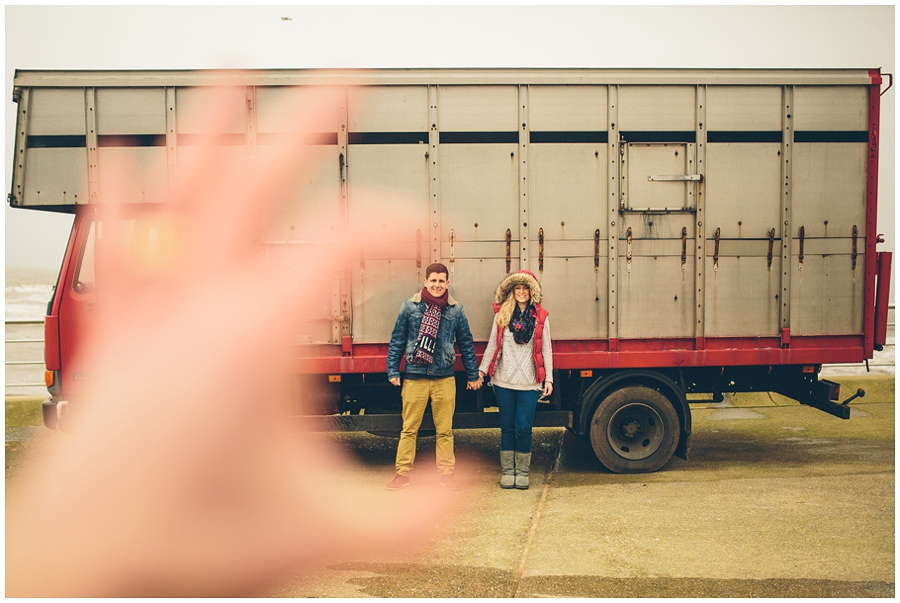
(27, 293)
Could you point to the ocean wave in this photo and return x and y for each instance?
(27, 301)
(29, 288)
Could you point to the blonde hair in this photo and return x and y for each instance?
(504, 314)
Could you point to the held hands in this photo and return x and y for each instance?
(395, 381)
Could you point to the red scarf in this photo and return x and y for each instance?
(430, 299)
(426, 342)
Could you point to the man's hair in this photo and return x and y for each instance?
(432, 268)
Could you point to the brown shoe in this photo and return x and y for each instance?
(449, 481)
(399, 481)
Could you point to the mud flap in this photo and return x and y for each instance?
(48, 410)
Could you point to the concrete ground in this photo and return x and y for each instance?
(776, 500)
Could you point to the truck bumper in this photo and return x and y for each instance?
(824, 396)
(53, 412)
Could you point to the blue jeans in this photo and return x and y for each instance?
(516, 417)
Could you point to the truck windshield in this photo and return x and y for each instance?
(148, 239)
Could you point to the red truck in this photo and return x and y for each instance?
(713, 230)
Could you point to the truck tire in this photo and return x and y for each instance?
(634, 429)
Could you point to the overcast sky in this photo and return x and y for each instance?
(169, 37)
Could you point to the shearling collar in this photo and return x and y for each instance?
(417, 298)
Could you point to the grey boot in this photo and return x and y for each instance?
(508, 469)
(523, 462)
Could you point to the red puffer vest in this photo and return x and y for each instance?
(537, 339)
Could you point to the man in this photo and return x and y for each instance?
(427, 326)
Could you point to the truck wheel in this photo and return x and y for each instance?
(634, 430)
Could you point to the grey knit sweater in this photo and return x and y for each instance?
(515, 366)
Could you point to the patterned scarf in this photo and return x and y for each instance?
(428, 330)
(521, 325)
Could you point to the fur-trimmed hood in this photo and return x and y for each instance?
(522, 277)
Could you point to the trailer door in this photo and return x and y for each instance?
(656, 237)
(567, 169)
(480, 229)
(309, 220)
(388, 166)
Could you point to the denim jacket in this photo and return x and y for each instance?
(454, 327)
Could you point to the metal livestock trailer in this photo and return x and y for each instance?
(696, 231)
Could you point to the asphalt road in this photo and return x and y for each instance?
(776, 500)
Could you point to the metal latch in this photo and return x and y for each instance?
(452, 252)
(628, 249)
(717, 236)
(541, 251)
(677, 178)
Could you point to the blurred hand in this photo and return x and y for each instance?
(182, 478)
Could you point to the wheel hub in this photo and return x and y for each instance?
(635, 431)
(631, 429)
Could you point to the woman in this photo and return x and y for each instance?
(519, 360)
